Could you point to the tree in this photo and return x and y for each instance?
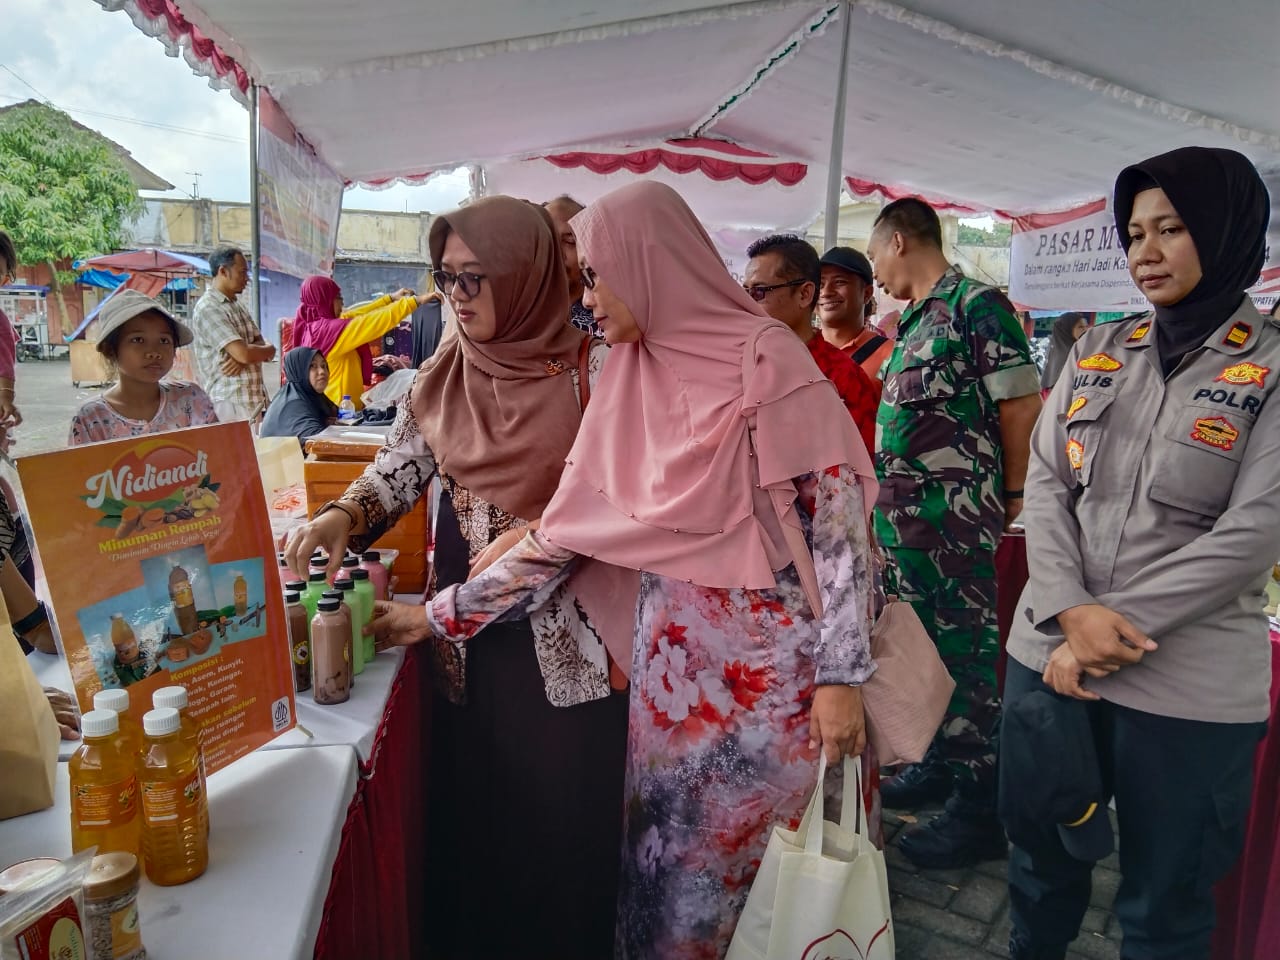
(64, 193)
(997, 236)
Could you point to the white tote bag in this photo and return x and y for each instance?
(822, 892)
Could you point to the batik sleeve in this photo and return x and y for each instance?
(511, 589)
(399, 475)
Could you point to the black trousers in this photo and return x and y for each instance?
(1182, 791)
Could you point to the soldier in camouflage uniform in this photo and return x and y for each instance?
(961, 394)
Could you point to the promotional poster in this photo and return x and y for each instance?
(160, 564)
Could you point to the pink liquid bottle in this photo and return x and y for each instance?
(371, 560)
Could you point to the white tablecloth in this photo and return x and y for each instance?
(276, 819)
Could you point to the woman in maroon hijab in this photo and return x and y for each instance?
(343, 336)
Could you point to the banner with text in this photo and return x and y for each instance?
(299, 198)
(1074, 261)
(160, 563)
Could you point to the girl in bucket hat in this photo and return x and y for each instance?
(140, 339)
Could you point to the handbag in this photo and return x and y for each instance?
(29, 734)
(822, 890)
(907, 696)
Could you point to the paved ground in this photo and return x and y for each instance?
(964, 914)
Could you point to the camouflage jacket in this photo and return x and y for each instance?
(939, 457)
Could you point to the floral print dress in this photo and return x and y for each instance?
(182, 405)
(722, 682)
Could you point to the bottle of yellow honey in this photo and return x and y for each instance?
(175, 810)
(104, 788)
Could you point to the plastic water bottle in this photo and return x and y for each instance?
(346, 410)
(175, 810)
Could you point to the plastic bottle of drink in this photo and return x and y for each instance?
(347, 615)
(371, 560)
(184, 604)
(175, 808)
(355, 606)
(364, 592)
(299, 640)
(240, 594)
(316, 589)
(176, 697)
(104, 788)
(117, 701)
(346, 410)
(319, 563)
(330, 659)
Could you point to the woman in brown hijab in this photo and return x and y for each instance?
(525, 806)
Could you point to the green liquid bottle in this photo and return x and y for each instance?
(364, 593)
(347, 588)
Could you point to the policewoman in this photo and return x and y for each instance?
(1153, 518)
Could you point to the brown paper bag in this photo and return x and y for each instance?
(28, 732)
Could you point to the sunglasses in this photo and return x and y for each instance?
(759, 291)
(445, 282)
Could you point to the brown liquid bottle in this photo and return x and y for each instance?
(330, 654)
(176, 697)
(240, 593)
(104, 789)
(184, 603)
(299, 640)
(175, 809)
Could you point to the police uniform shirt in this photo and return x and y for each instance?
(1160, 499)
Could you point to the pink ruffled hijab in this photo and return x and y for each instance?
(684, 462)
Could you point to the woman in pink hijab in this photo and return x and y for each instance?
(716, 462)
(344, 335)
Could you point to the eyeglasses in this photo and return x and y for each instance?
(470, 282)
(759, 291)
(588, 277)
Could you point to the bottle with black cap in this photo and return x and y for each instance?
(330, 654)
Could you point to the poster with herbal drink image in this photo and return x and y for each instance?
(153, 551)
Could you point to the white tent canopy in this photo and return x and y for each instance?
(1009, 105)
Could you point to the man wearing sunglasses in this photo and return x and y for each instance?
(782, 276)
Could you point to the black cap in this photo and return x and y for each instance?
(1049, 775)
(292, 596)
(344, 583)
(349, 562)
(298, 585)
(847, 258)
(371, 555)
(329, 606)
(359, 573)
(317, 576)
(332, 595)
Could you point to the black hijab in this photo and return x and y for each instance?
(1060, 344)
(297, 410)
(1222, 200)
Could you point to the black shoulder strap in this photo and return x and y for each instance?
(865, 351)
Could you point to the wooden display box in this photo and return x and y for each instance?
(328, 471)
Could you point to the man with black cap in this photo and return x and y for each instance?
(844, 301)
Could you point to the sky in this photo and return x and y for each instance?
(99, 68)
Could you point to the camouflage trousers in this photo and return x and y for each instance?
(953, 590)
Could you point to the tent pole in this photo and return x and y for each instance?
(255, 234)
(835, 166)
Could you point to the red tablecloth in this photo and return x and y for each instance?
(1249, 898)
(1011, 578)
(374, 907)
